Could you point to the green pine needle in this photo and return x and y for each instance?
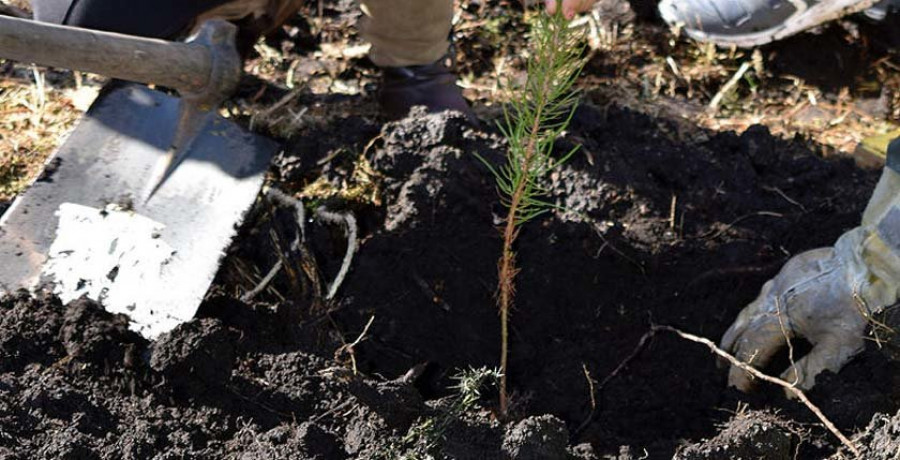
(539, 112)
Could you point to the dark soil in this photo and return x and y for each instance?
(595, 275)
(251, 381)
(658, 222)
(76, 384)
(880, 439)
(748, 435)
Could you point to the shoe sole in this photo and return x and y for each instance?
(799, 22)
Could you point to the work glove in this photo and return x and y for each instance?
(826, 295)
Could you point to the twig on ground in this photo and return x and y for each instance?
(728, 86)
(321, 317)
(370, 145)
(622, 365)
(591, 389)
(737, 271)
(863, 307)
(673, 207)
(637, 349)
(350, 349)
(349, 222)
(260, 404)
(787, 340)
(621, 254)
(765, 377)
(715, 233)
(781, 193)
(264, 115)
(332, 411)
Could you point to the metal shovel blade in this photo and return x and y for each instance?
(84, 229)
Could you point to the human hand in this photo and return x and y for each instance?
(569, 7)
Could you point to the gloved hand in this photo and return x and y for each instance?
(826, 295)
(809, 298)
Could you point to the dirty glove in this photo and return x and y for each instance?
(826, 295)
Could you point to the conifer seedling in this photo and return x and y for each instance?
(538, 112)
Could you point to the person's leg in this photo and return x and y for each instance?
(406, 32)
(53, 11)
(410, 41)
(168, 19)
(146, 18)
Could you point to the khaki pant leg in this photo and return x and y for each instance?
(406, 32)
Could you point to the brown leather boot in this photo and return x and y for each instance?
(432, 85)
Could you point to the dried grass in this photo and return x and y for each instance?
(660, 73)
(35, 117)
(682, 80)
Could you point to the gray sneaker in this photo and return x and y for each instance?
(748, 23)
(880, 10)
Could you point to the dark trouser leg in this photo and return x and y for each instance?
(147, 18)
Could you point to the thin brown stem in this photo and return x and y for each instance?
(768, 378)
(525, 157)
(508, 268)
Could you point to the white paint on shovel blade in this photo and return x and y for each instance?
(117, 258)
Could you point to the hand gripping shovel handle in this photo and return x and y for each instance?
(205, 69)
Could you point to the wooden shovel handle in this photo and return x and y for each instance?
(187, 67)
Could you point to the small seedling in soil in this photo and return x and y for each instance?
(424, 438)
(537, 114)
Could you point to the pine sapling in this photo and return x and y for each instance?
(537, 114)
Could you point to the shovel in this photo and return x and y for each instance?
(136, 209)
